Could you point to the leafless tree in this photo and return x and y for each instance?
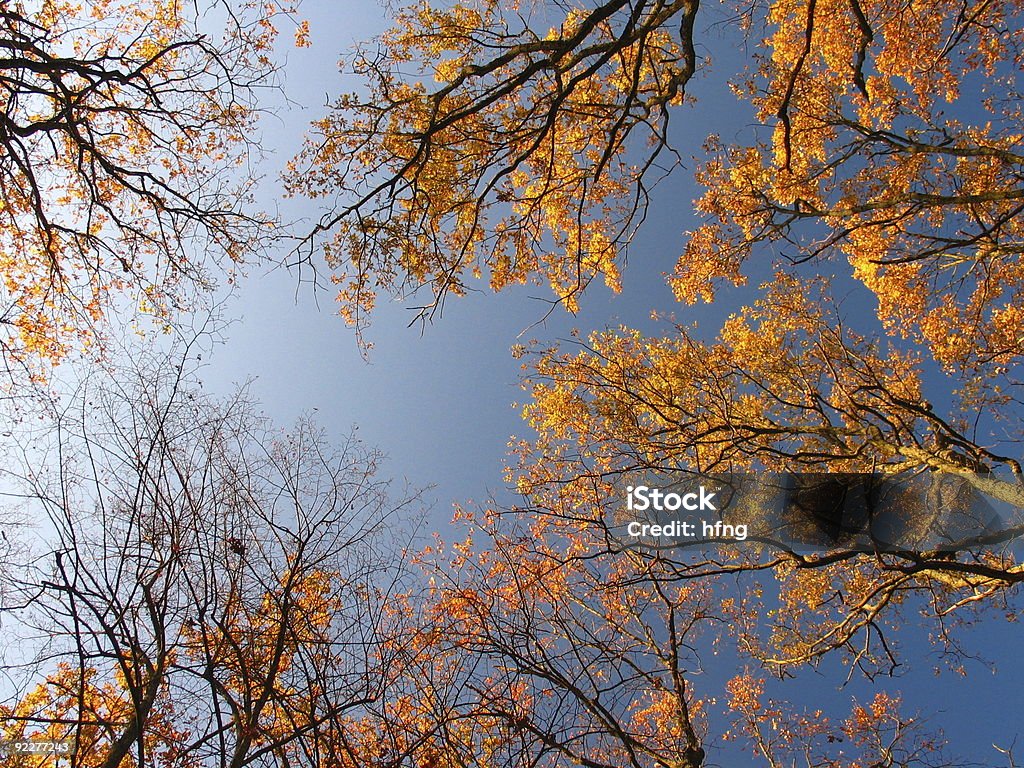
(210, 592)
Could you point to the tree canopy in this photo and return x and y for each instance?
(512, 159)
(207, 590)
(213, 595)
(126, 134)
(519, 143)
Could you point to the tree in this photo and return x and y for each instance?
(885, 168)
(779, 391)
(209, 591)
(516, 165)
(541, 646)
(532, 156)
(891, 147)
(125, 133)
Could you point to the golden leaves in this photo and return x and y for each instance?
(79, 706)
(118, 171)
(875, 158)
(513, 170)
(782, 381)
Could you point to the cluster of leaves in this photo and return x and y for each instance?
(125, 134)
(896, 149)
(516, 167)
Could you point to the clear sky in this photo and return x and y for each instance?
(438, 400)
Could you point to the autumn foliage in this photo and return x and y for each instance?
(242, 614)
(126, 127)
(876, 197)
(508, 161)
(211, 593)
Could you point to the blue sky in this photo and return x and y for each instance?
(437, 398)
